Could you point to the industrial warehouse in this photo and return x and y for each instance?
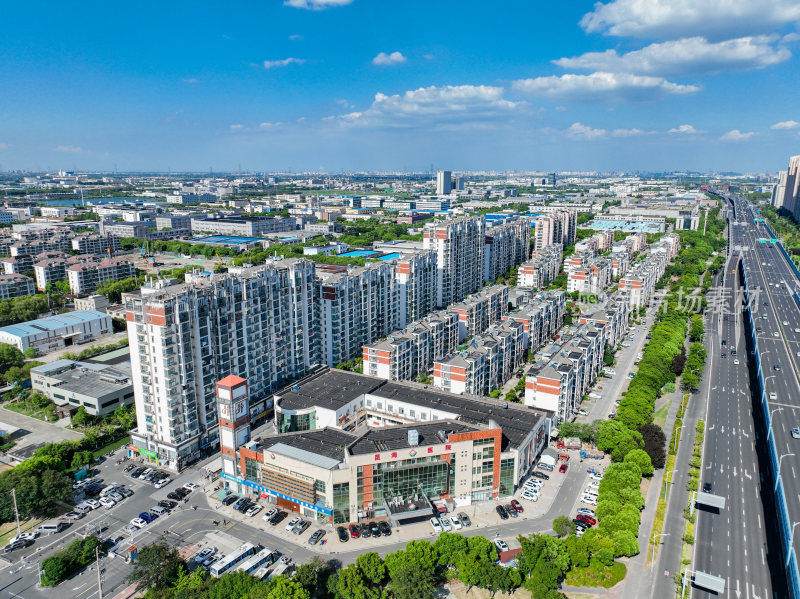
(352, 447)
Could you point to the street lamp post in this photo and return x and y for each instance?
(673, 471)
(675, 442)
(778, 473)
(791, 541)
(655, 538)
(771, 412)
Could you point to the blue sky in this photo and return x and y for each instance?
(380, 85)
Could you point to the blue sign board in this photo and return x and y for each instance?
(263, 489)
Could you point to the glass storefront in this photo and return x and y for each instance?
(341, 503)
(430, 476)
(288, 423)
(506, 477)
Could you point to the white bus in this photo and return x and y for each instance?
(244, 551)
(279, 569)
(265, 557)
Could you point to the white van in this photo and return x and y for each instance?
(51, 526)
(157, 509)
(144, 474)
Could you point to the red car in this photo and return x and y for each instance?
(354, 534)
(517, 506)
(588, 519)
(563, 468)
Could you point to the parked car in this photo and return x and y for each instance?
(586, 511)
(341, 532)
(301, 527)
(93, 503)
(21, 544)
(436, 525)
(203, 555)
(374, 529)
(563, 468)
(365, 530)
(74, 515)
(588, 519)
(277, 517)
(501, 545)
(253, 510)
(228, 500)
(354, 532)
(540, 475)
(445, 524)
(291, 524)
(271, 512)
(139, 522)
(517, 506)
(107, 502)
(162, 483)
(191, 486)
(465, 519)
(385, 529)
(501, 512)
(456, 522)
(510, 511)
(316, 537)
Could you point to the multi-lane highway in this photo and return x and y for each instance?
(737, 543)
(772, 324)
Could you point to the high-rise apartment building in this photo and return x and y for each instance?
(444, 183)
(506, 246)
(779, 191)
(791, 189)
(559, 226)
(260, 324)
(357, 306)
(416, 285)
(459, 246)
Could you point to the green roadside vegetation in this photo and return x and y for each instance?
(692, 485)
(63, 564)
(414, 572)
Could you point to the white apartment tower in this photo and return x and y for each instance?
(416, 286)
(444, 183)
(357, 306)
(259, 324)
(459, 247)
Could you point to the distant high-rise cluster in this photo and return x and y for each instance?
(786, 194)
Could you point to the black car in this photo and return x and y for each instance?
(341, 532)
(173, 495)
(137, 472)
(316, 537)
(167, 505)
(707, 488)
(365, 530)
(733, 351)
(229, 499)
(374, 529)
(385, 529)
(239, 503)
(510, 511)
(580, 524)
(501, 512)
(244, 505)
(541, 475)
(20, 544)
(277, 518)
(182, 492)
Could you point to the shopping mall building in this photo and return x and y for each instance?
(350, 447)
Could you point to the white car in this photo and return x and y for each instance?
(501, 545)
(92, 503)
(586, 511)
(533, 485)
(292, 523)
(594, 395)
(456, 522)
(596, 476)
(736, 361)
(25, 536)
(253, 510)
(589, 499)
(191, 486)
(786, 323)
(773, 396)
(129, 529)
(138, 523)
(446, 524)
(162, 483)
(271, 512)
(594, 484)
(583, 412)
(203, 555)
(107, 502)
(776, 334)
(437, 527)
(530, 496)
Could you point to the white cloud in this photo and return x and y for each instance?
(68, 149)
(630, 132)
(676, 18)
(384, 59)
(428, 56)
(433, 106)
(270, 64)
(581, 131)
(190, 80)
(4, 146)
(344, 104)
(684, 130)
(295, 37)
(785, 125)
(736, 135)
(236, 127)
(316, 4)
(602, 86)
(688, 56)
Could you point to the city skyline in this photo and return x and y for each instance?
(326, 85)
